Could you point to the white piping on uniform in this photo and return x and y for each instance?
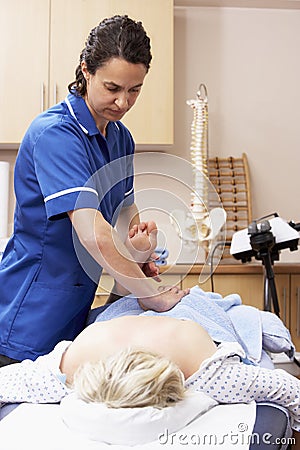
(129, 192)
(69, 191)
(73, 114)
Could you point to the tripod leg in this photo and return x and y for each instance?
(270, 287)
(274, 297)
(267, 303)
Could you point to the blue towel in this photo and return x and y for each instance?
(248, 325)
(276, 337)
(206, 308)
(224, 318)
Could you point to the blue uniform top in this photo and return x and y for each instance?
(47, 279)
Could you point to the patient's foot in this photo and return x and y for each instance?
(142, 241)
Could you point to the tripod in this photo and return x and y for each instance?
(270, 291)
(263, 243)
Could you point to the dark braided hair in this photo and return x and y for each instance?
(114, 37)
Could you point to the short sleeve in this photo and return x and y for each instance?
(63, 170)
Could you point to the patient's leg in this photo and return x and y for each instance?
(142, 241)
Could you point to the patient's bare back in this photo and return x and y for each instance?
(182, 341)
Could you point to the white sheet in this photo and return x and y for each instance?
(135, 426)
(36, 427)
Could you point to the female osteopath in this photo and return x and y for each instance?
(74, 171)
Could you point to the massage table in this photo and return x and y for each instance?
(37, 427)
(249, 426)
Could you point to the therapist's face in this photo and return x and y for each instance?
(113, 90)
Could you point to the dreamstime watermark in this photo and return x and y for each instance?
(241, 436)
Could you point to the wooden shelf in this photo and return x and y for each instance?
(233, 269)
(264, 4)
(9, 146)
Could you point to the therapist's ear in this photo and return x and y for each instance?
(84, 70)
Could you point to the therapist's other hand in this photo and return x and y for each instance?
(165, 300)
(151, 270)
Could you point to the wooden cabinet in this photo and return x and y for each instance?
(151, 118)
(283, 288)
(40, 44)
(295, 310)
(24, 42)
(104, 288)
(249, 287)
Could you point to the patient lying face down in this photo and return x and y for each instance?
(136, 361)
(161, 349)
(152, 360)
(153, 351)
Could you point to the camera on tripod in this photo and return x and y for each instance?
(265, 236)
(264, 239)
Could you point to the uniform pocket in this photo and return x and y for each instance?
(49, 314)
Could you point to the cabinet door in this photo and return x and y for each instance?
(283, 293)
(24, 37)
(151, 119)
(104, 289)
(295, 310)
(249, 287)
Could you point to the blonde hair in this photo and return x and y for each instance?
(129, 379)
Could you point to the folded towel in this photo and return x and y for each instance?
(225, 319)
(247, 323)
(197, 306)
(276, 337)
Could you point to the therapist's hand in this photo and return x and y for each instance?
(151, 270)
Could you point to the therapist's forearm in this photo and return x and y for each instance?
(106, 247)
(129, 216)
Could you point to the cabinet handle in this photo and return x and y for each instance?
(42, 97)
(298, 312)
(284, 304)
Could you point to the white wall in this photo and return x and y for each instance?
(249, 61)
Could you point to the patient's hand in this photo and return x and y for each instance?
(164, 301)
